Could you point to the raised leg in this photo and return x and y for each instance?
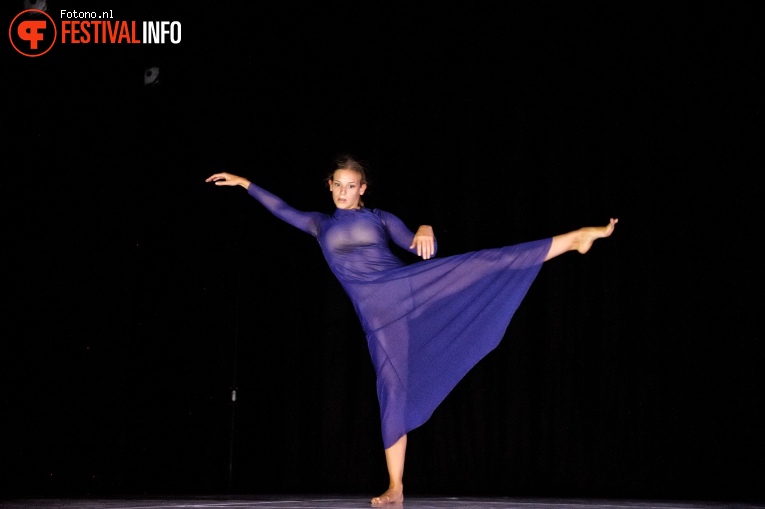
(394, 457)
(579, 240)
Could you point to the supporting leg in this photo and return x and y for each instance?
(394, 456)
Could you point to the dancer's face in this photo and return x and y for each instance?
(346, 189)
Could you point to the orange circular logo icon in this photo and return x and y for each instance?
(32, 33)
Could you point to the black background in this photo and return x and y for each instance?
(137, 296)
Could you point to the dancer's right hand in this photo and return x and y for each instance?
(228, 179)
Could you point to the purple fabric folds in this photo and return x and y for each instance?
(427, 323)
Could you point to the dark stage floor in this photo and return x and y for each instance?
(328, 502)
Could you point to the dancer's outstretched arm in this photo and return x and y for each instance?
(228, 179)
(306, 221)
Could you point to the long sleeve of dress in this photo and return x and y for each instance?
(399, 233)
(306, 221)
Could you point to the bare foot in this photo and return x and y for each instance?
(592, 233)
(391, 497)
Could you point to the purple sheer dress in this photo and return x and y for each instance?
(426, 323)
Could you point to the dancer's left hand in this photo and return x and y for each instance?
(425, 241)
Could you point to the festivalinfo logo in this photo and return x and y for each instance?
(33, 32)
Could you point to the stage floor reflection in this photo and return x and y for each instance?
(353, 502)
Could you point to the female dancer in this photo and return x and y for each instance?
(428, 323)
